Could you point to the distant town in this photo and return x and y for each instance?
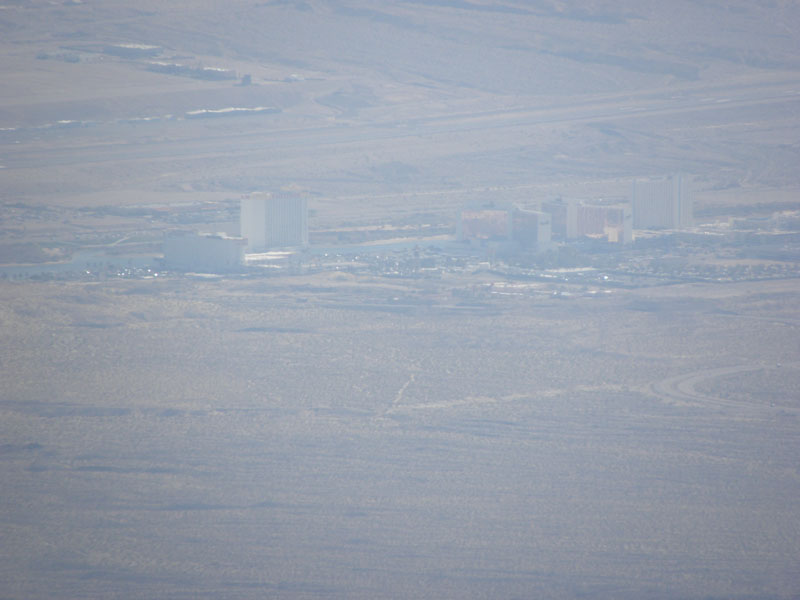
(649, 238)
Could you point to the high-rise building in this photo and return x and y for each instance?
(274, 220)
(662, 203)
(485, 224)
(528, 228)
(572, 219)
(531, 228)
(564, 218)
(612, 221)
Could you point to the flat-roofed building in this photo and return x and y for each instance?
(203, 252)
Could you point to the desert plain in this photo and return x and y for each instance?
(337, 433)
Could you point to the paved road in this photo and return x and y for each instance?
(682, 388)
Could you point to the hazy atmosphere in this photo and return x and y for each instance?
(411, 299)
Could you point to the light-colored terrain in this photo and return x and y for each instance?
(410, 99)
(303, 438)
(349, 436)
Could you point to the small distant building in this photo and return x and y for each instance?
(274, 220)
(662, 203)
(563, 218)
(485, 224)
(614, 222)
(527, 228)
(572, 219)
(531, 228)
(203, 252)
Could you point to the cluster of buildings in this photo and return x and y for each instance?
(555, 221)
(267, 221)
(280, 220)
(654, 204)
(207, 252)
(574, 219)
(527, 228)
